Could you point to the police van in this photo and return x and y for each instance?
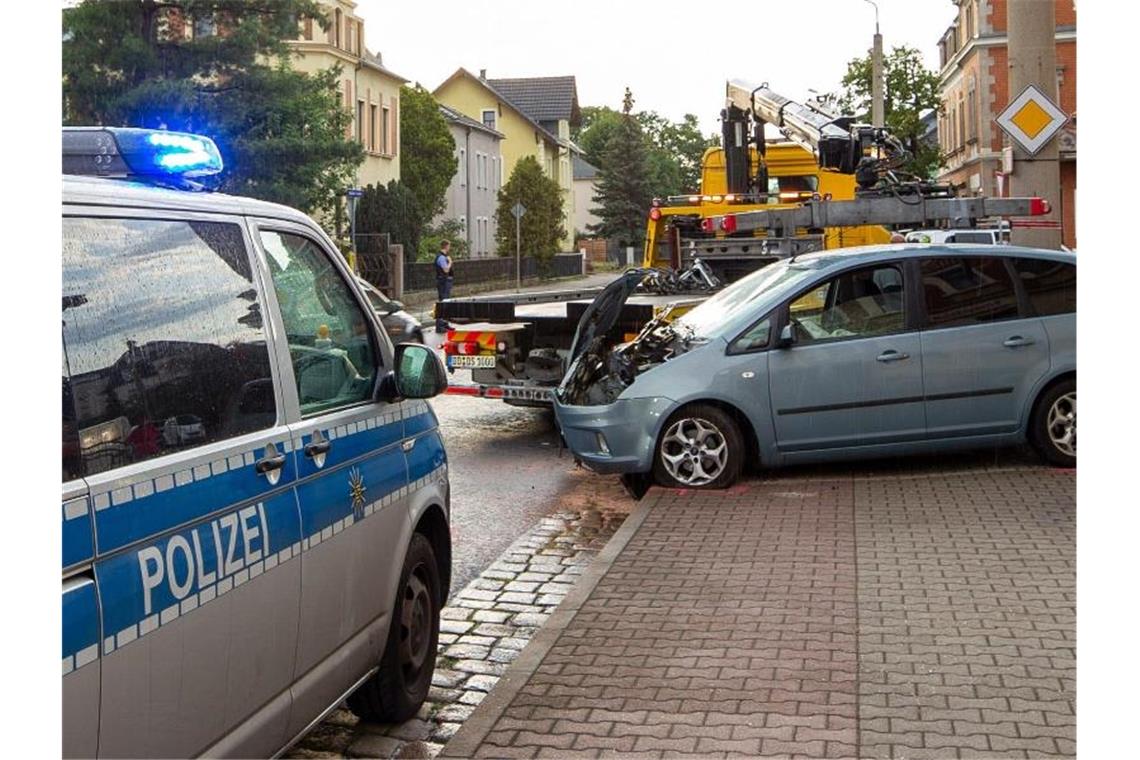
(255, 497)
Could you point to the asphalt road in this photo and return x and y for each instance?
(506, 474)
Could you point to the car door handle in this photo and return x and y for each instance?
(317, 448)
(269, 464)
(892, 356)
(408, 445)
(1017, 341)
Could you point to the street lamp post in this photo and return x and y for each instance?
(876, 73)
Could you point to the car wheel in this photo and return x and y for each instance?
(1053, 429)
(400, 687)
(700, 447)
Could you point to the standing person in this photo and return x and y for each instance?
(443, 280)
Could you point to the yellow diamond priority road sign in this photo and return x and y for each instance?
(1032, 119)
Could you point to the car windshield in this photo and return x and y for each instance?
(710, 316)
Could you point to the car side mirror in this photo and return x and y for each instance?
(419, 374)
(787, 337)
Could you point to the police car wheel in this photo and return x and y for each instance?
(400, 687)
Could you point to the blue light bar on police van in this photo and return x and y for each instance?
(150, 153)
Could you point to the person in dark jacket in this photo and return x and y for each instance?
(443, 279)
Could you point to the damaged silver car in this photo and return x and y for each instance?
(860, 352)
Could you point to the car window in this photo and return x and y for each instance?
(163, 342)
(983, 238)
(1051, 285)
(967, 291)
(855, 304)
(754, 338)
(334, 359)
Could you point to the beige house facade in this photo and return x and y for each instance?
(534, 115)
(367, 89)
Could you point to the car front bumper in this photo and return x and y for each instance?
(614, 438)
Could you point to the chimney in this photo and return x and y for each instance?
(483, 74)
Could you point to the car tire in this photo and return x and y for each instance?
(705, 429)
(396, 692)
(1053, 428)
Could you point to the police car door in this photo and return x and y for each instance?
(352, 475)
(80, 604)
(182, 445)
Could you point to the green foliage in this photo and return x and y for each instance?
(391, 210)
(281, 132)
(909, 90)
(428, 161)
(674, 149)
(624, 190)
(540, 229)
(448, 229)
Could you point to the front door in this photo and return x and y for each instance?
(981, 354)
(351, 465)
(853, 374)
(193, 514)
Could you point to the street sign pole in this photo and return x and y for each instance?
(518, 210)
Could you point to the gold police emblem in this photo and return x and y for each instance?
(356, 489)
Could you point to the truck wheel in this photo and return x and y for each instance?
(401, 685)
(701, 447)
(1053, 429)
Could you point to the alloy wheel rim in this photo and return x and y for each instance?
(415, 624)
(694, 451)
(1062, 424)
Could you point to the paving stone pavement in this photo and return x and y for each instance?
(483, 629)
(907, 615)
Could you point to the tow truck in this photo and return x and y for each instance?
(832, 183)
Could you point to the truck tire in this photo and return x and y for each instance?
(401, 685)
(700, 447)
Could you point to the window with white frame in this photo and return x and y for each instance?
(490, 116)
(462, 167)
(384, 131)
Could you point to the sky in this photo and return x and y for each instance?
(674, 61)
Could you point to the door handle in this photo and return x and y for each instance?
(408, 445)
(892, 356)
(269, 464)
(316, 448)
(1017, 341)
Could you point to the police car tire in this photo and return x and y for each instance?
(388, 697)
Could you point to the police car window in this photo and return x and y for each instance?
(164, 346)
(334, 359)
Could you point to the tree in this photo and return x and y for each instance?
(428, 161)
(217, 67)
(624, 191)
(392, 210)
(450, 230)
(909, 91)
(540, 229)
(675, 149)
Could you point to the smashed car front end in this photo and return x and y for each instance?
(614, 438)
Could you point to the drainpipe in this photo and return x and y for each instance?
(467, 173)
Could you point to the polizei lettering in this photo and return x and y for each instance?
(208, 553)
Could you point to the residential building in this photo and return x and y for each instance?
(473, 194)
(369, 90)
(974, 86)
(534, 114)
(585, 189)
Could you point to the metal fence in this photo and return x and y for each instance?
(421, 276)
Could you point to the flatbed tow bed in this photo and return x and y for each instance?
(516, 345)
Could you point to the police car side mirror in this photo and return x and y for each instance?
(419, 374)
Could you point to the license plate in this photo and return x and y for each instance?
(471, 362)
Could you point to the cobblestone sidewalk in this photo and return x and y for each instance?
(918, 615)
(483, 629)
